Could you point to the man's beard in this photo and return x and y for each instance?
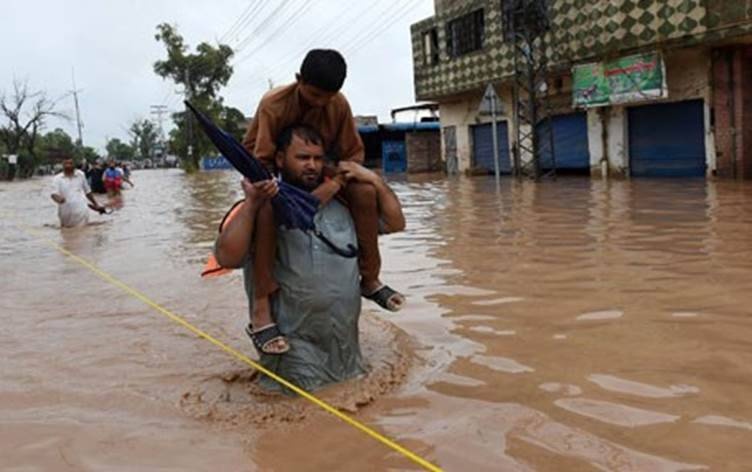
(304, 184)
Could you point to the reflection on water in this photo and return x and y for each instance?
(568, 325)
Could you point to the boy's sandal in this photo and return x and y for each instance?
(265, 337)
(387, 298)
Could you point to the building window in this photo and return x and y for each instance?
(431, 47)
(465, 34)
(533, 15)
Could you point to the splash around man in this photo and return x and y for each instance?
(314, 100)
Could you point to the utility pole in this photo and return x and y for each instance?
(78, 110)
(160, 111)
(188, 118)
(529, 22)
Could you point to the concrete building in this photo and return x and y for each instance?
(699, 124)
(402, 147)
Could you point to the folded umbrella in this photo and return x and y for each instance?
(293, 208)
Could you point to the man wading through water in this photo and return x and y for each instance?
(313, 100)
(70, 190)
(318, 304)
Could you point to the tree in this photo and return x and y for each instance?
(144, 138)
(233, 121)
(88, 153)
(56, 144)
(25, 115)
(120, 151)
(202, 74)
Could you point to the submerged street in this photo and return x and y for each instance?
(568, 325)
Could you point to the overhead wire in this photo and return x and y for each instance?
(230, 31)
(287, 24)
(383, 27)
(262, 25)
(336, 33)
(252, 15)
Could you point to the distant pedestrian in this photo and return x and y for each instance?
(113, 181)
(96, 177)
(70, 190)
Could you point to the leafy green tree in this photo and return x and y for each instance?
(88, 153)
(144, 138)
(202, 74)
(57, 144)
(120, 151)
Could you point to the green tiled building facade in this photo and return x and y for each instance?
(582, 30)
(706, 46)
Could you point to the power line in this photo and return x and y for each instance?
(263, 24)
(287, 24)
(333, 33)
(243, 16)
(385, 26)
(253, 15)
(324, 31)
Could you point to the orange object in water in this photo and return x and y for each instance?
(212, 267)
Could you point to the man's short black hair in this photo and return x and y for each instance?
(325, 69)
(304, 132)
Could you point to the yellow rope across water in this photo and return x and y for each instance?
(238, 355)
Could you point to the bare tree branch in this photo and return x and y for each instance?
(26, 114)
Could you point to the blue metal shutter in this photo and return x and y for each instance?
(483, 157)
(667, 140)
(570, 143)
(394, 156)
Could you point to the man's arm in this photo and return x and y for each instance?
(90, 197)
(390, 208)
(234, 241)
(87, 191)
(56, 194)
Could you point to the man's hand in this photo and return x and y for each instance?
(58, 198)
(256, 194)
(355, 171)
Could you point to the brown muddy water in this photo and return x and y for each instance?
(569, 325)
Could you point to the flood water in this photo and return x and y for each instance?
(568, 325)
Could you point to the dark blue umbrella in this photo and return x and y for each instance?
(293, 208)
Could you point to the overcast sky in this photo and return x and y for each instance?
(112, 48)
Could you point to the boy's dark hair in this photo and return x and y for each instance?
(304, 132)
(325, 69)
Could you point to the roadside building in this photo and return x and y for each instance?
(402, 147)
(689, 113)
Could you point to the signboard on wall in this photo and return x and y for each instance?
(625, 80)
(215, 163)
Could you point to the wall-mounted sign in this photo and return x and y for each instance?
(624, 80)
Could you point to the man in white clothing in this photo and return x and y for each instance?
(70, 191)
